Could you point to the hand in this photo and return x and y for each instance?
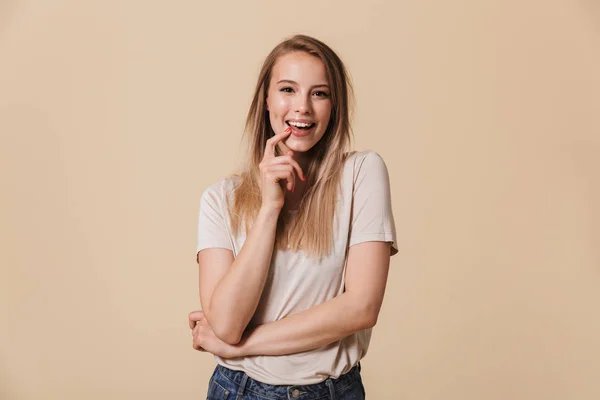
(277, 172)
(204, 339)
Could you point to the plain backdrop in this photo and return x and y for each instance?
(116, 115)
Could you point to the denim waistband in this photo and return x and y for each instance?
(317, 390)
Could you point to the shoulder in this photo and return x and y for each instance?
(365, 161)
(218, 191)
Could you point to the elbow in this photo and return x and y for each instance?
(226, 327)
(365, 313)
(230, 337)
(369, 316)
(369, 320)
(228, 333)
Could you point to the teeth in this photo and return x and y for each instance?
(299, 124)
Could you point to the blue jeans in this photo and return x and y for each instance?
(226, 384)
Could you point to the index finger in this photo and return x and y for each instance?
(272, 142)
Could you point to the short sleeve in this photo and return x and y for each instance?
(372, 217)
(212, 227)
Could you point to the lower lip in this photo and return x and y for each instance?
(301, 132)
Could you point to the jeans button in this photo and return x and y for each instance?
(295, 393)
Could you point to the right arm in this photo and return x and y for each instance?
(231, 289)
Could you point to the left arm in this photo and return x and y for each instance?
(354, 310)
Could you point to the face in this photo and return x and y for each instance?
(299, 97)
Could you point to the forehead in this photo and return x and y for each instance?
(300, 67)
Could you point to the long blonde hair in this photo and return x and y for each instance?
(311, 230)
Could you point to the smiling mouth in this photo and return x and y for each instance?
(300, 126)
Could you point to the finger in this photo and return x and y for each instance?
(288, 175)
(195, 316)
(283, 147)
(194, 324)
(199, 348)
(272, 142)
(284, 168)
(285, 174)
(287, 159)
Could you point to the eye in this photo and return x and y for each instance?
(286, 89)
(320, 93)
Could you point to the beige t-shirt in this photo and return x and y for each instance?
(295, 283)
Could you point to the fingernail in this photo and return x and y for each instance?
(303, 177)
(288, 129)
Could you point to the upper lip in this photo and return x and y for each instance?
(303, 121)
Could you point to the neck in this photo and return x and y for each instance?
(303, 159)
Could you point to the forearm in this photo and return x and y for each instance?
(309, 329)
(237, 294)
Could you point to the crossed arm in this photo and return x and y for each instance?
(356, 309)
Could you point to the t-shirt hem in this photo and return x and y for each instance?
(213, 246)
(292, 381)
(375, 237)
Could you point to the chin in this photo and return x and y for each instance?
(298, 147)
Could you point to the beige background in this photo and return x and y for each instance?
(115, 115)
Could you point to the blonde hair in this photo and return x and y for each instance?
(311, 230)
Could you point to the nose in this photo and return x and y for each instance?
(302, 104)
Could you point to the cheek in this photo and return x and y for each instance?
(279, 105)
(325, 112)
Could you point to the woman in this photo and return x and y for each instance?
(294, 252)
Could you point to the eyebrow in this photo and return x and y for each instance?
(295, 83)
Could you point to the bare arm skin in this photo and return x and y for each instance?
(356, 309)
(230, 289)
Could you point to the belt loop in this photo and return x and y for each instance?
(242, 387)
(329, 384)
